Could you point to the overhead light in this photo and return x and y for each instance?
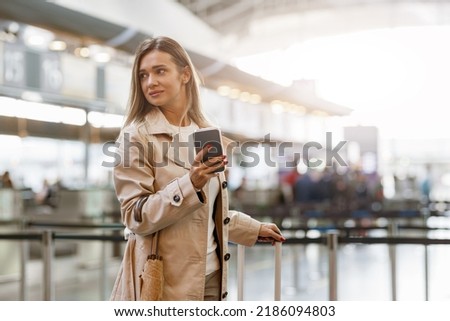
(300, 109)
(100, 54)
(320, 113)
(32, 96)
(223, 90)
(255, 99)
(37, 38)
(244, 96)
(82, 52)
(234, 93)
(9, 33)
(13, 27)
(57, 45)
(102, 57)
(277, 106)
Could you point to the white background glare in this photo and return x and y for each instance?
(395, 79)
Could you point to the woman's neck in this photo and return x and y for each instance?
(176, 118)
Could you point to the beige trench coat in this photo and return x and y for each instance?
(147, 169)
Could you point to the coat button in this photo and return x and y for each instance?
(226, 221)
(227, 256)
(224, 295)
(224, 184)
(176, 198)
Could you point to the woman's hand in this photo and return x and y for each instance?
(269, 232)
(201, 171)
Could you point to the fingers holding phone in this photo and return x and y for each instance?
(209, 158)
(211, 138)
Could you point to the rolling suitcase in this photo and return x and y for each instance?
(240, 271)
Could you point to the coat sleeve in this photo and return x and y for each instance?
(133, 180)
(243, 229)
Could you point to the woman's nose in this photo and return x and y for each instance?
(151, 81)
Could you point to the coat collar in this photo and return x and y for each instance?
(156, 123)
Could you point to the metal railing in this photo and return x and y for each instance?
(47, 238)
(331, 240)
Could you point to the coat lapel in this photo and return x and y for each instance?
(157, 124)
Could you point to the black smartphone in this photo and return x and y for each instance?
(208, 136)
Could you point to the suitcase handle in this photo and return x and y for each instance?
(240, 276)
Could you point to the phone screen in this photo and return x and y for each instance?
(208, 136)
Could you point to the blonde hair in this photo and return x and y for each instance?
(138, 106)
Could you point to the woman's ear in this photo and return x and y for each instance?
(186, 74)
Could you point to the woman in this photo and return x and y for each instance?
(159, 190)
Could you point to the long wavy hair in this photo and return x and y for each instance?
(138, 106)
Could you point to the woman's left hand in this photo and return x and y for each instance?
(269, 232)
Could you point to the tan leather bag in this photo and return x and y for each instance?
(152, 277)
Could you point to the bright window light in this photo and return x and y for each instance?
(73, 116)
(10, 141)
(384, 75)
(11, 107)
(7, 106)
(112, 121)
(98, 120)
(37, 111)
(95, 119)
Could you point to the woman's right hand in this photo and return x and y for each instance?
(202, 171)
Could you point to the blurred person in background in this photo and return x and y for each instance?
(6, 181)
(187, 204)
(50, 193)
(426, 185)
(287, 184)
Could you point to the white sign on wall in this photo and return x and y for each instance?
(51, 73)
(80, 77)
(14, 65)
(117, 85)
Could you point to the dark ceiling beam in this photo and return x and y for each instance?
(125, 36)
(201, 6)
(51, 16)
(229, 13)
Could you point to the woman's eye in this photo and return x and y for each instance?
(161, 71)
(142, 76)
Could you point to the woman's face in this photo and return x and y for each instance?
(161, 81)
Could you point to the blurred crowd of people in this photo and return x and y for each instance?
(47, 195)
(350, 190)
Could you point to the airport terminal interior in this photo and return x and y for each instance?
(337, 106)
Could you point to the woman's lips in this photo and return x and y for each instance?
(155, 93)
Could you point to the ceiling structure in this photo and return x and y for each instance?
(244, 27)
(228, 16)
(53, 16)
(236, 16)
(253, 26)
(48, 15)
